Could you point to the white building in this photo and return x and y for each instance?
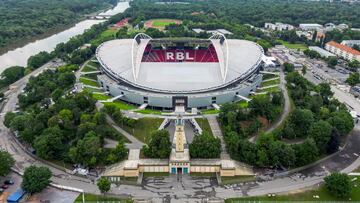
(278, 26)
(310, 26)
(221, 31)
(343, 51)
(321, 51)
(350, 43)
(332, 26)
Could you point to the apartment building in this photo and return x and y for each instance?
(342, 51)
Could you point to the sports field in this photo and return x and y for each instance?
(161, 23)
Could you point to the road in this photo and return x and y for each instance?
(190, 188)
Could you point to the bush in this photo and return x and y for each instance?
(205, 146)
(159, 145)
(338, 184)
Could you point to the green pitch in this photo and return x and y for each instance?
(159, 23)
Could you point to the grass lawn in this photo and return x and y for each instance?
(101, 96)
(97, 198)
(161, 22)
(236, 179)
(89, 89)
(210, 111)
(104, 36)
(269, 76)
(271, 82)
(293, 46)
(243, 104)
(323, 194)
(86, 81)
(97, 65)
(156, 174)
(149, 111)
(271, 89)
(88, 69)
(144, 127)
(204, 125)
(120, 105)
(92, 76)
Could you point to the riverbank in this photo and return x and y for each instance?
(48, 42)
(51, 31)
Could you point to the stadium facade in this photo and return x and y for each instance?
(194, 73)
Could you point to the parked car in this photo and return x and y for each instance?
(9, 182)
(4, 186)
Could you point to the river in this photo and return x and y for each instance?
(19, 56)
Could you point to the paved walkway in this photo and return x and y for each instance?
(215, 128)
(286, 110)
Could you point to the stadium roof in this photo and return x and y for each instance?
(116, 57)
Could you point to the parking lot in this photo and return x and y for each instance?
(12, 188)
(339, 74)
(50, 194)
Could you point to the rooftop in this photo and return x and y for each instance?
(116, 56)
(344, 48)
(321, 51)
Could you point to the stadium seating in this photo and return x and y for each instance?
(207, 55)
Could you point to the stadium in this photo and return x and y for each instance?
(166, 73)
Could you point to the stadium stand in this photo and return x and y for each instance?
(203, 55)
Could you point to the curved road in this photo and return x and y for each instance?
(190, 188)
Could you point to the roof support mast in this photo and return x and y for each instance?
(221, 46)
(139, 44)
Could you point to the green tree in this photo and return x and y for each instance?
(321, 133)
(306, 153)
(300, 121)
(119, 153)
(87, 150)
(288, 67)
(325, 91)
(9, 117)
(159, 145)
(49, 145)
(12, 74)
(334, 142)
(303, 70)
(7, 162)
(281, 154)
(35, 179)
(342, 121)
(354, 64)
(338, 184)
(332, 61)
(104, 185)
(205, 146)
(353, 79)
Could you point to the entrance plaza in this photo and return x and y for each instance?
(179, 161)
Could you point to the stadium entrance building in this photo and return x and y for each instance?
(179, 162)
(194, 73)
